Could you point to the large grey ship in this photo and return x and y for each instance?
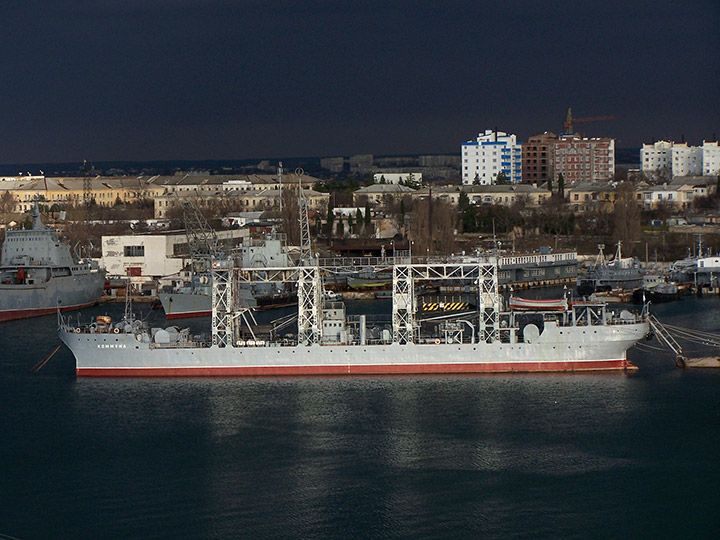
(578, 337)
(194, 299)
(38, 274)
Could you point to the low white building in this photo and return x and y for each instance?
(152, 256)
(492, 153)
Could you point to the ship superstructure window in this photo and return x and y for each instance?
(134, 251)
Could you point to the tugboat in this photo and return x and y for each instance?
(38, 274)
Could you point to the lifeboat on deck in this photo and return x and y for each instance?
(532, 304)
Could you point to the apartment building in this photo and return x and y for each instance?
(537, 158)
(582, 159)
(492, 153)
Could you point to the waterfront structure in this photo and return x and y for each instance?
(537, 158)
(492, 153)
(153, 256)
(582, 159)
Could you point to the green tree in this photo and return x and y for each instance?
(330, 216)
(549, 183)
(368, 219)
(502, 179)
(561, 185)
(463, 201)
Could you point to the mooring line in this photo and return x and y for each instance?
(37, 367)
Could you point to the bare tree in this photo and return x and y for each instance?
(626, 216)
(291, 216)
(432, 227)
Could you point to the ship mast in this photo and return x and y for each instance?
(201, 238)
(309, 282)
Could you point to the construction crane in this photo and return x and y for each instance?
(569, 121)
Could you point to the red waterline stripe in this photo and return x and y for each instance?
(385, 369)
(27, 313)
(188, 314)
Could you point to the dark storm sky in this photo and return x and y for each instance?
(223, 79)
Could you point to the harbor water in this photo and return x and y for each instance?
(562, 456)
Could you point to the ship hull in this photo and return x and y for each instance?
(557, 350)
(67, 293)
(183, 305)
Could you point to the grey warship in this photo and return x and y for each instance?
(38, 274)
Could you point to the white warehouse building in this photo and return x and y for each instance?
(152, 256)
(492, 153)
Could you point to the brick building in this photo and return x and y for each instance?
(537, 158)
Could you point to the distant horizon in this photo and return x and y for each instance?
(7, 169)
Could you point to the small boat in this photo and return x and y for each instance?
(533, 304)
(368, 281)
(662, 292)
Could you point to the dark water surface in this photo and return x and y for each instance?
(491, 456)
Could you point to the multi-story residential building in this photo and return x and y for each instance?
(680, 159)
(492, 153)
(686, 160)
(583, 159)
(656, 157)
(711, 158)
(537, 158)
(334, 164)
